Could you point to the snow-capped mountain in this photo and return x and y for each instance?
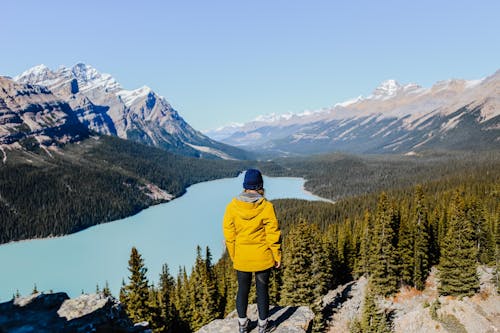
(452, 114)
(142, 115)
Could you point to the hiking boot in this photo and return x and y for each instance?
(243, 328)
(263, 329)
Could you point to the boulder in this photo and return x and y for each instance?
(56, 312)
(289, 319)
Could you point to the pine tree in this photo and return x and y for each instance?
(135, 295)
(442, 227)
(275, 282)
(457, 266)
(123, 295)
(363, 263)
(195, 286)
(297, 289)
(384, 261)
(205, 301)
(483, 236)
(421, 266)
(406, 252)
(369, 317)
(321, 268)
(166, 305)
(153, 317)
(211, 297)
(226, 277)
(433, 238)
(373, 319)
(106, 291)
(304, 277)
(182, 302)
(345, 250)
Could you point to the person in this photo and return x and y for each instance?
(253, 241)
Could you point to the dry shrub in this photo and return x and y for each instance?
(406, 293)
(483, 295)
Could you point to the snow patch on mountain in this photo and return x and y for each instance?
(350, 101)
(91, 77)
(131, 96)
(36, 73)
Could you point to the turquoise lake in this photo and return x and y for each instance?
(165, 233)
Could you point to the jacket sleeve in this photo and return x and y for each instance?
(273, 233)
(229, 232)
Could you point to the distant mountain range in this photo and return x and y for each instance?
(395, 118)
(46, 108)
(40, 101)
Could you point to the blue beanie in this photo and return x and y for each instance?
(253, 180)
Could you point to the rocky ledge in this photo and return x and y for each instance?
(290, 319)
(56, 312)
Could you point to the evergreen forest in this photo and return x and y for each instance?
(392, 237)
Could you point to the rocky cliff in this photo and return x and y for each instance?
(416, 311)
(56, 312)
(289, 319)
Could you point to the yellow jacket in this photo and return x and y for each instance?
(252, 235)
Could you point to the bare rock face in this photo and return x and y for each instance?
(289, 319)
(420, 311)
(345, 304)
(44, 313)
(33, 115)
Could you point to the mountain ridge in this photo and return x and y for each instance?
(395, 118)
(141, 115)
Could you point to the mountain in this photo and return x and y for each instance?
(395, 118)
(141, 115)
(31, 116)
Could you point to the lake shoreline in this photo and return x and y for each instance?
(165, 233)
(159, 202)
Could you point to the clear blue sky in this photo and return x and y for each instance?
(222, 61)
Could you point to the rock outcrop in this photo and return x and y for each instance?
(56, 312)
(344, 304)
(289, 319)
(416, 311)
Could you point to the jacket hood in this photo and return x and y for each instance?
(248, 210)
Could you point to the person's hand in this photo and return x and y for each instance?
(277, 264)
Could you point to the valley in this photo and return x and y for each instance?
(403, 171)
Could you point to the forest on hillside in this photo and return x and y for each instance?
(392, 237)
(336, 176)
(105, 179)
(92, 182)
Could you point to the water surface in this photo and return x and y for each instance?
(165, 233)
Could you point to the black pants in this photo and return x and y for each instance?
(262, 287)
